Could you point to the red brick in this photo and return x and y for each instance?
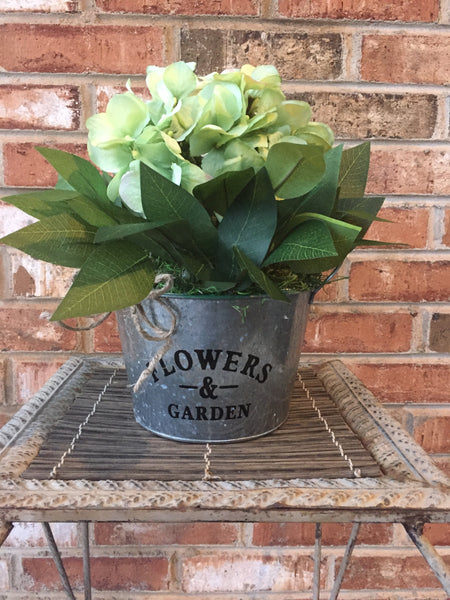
(408, 170)
(24, 166)
(178, 7)
(24, 328)
(363, 115)
(32, 535)
(156, 534)
(247, 571)
(438, 533)
(433, 433)
(446, 236)
(406, 58)
(40, 574)
(296, 55)
(106, 336)
(128, 573)
(406, 225)
(71, 49)
(39, 107)
(333, 534)
(398, 10)
(40, 6)
(421, 383)
(29, 376)
(357, 332)
(440, 332)
(400, 281)
(388, 572)
(329, 293)
(206, 47)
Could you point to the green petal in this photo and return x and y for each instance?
(112, 159)
(128, 113)
(180, 78)
(294, 113)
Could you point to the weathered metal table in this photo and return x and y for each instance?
(75, 453)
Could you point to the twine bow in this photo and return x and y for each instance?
(143, 324)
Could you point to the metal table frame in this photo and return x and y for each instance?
(412, 490)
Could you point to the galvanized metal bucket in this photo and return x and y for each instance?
(230, 369)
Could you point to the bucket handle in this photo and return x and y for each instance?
(324, 282)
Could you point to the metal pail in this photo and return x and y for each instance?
(229, 371)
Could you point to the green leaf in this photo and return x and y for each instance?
(322, 197)
(259, 277)
(249, 225)
(358, 211)
(60, 239)
(91, 212)
(42, 204)
(311, 239)
(219, 193)
(114, 276)
(163, 200)
(294, 169)
(118, 232)
(77, 172)
(344, 236)
(354, 170)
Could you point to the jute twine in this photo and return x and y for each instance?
(143, 324)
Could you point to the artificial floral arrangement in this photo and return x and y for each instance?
(218, 180)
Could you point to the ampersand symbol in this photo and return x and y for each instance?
(207, 390)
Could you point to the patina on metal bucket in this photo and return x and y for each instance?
(230, 369)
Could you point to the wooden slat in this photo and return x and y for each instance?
(114, 446)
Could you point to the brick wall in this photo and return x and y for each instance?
(372, 70)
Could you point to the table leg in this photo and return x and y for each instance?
(317, 559)
(428, 551)
(84, 527)
(58, 561)
(345, 560)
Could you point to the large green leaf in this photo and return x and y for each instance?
(259, 277)
(42, 204)
(322, 197)
(115, 275)
(358, 211)
(91, 212)
(60, 239)
(163, 200)
(294, 169)
(77, 172)
(354, 170)
(310, 239)
(344, 236)
(119, 232)
(217, 194)
(249, 224)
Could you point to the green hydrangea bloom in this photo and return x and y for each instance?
(195, 128)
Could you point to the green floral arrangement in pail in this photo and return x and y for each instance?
(218, 180)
